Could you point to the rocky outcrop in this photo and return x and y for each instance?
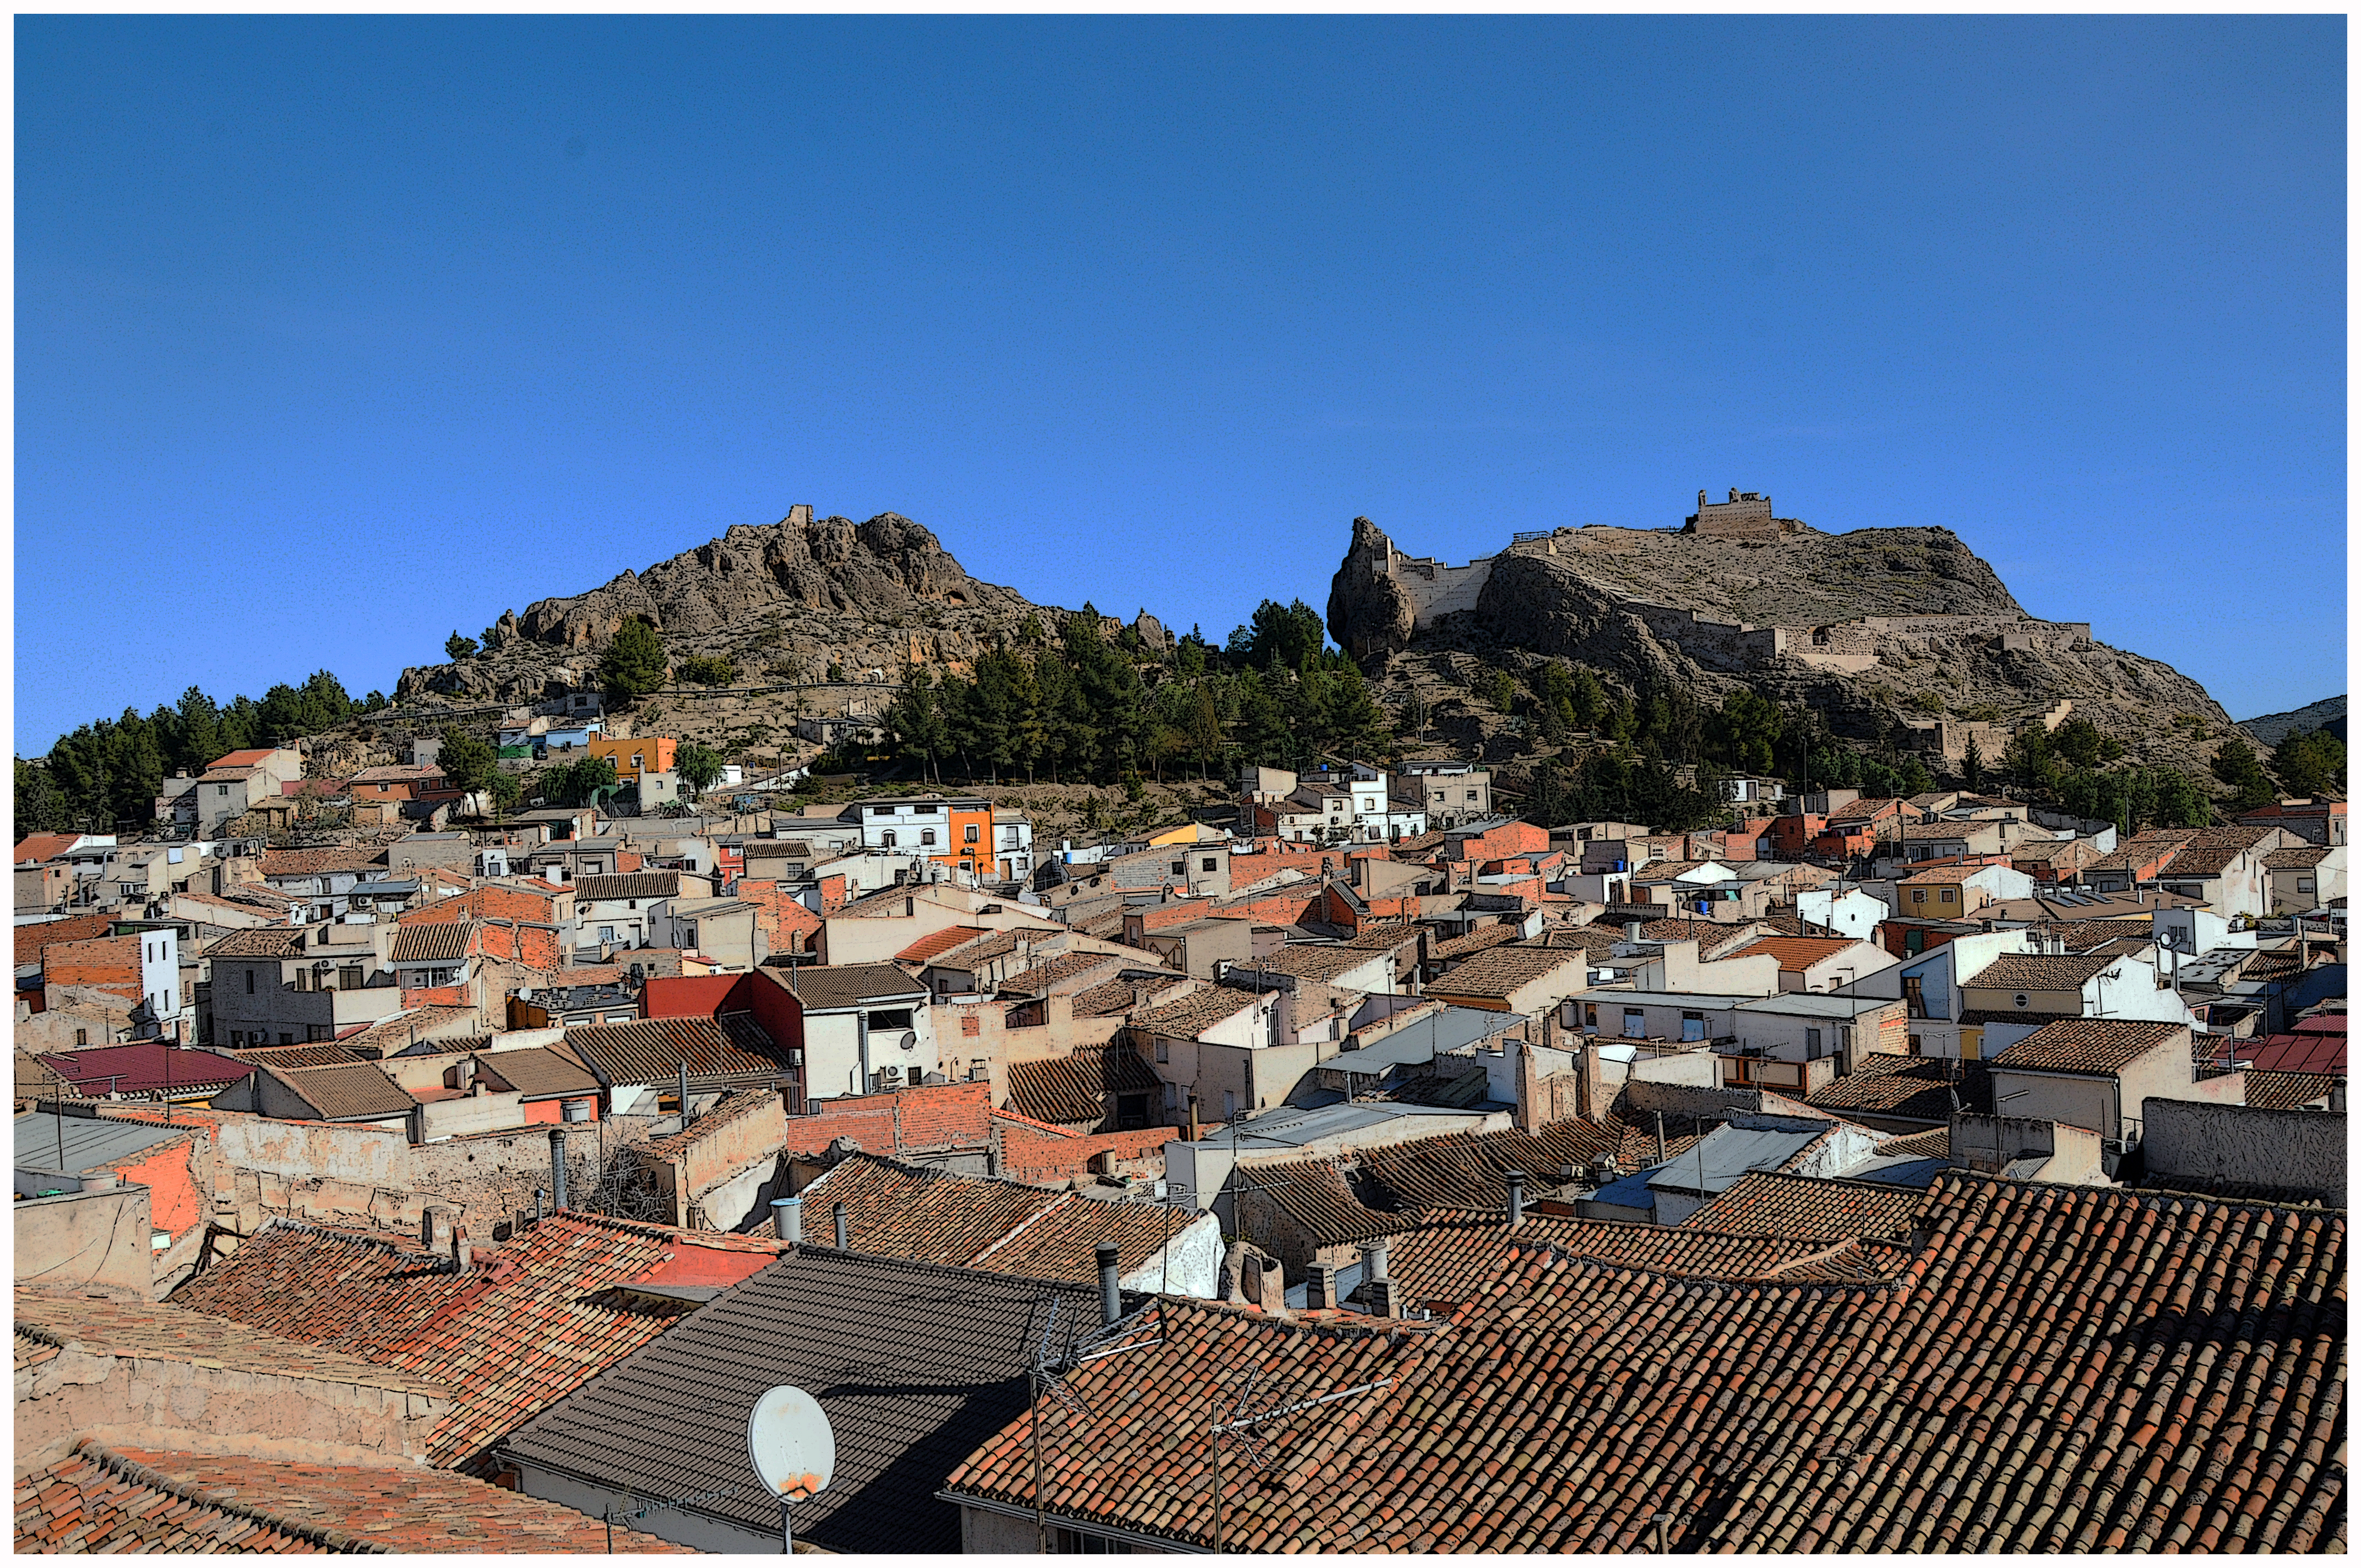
(793, 596)
(1368, 614)
(1656, 607)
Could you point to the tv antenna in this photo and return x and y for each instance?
(1243, 1424)
(793, 1450)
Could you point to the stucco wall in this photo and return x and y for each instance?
(96, 1240)
(160, 1403)
(2240, 1143)
(1189, 1265)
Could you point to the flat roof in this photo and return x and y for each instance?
(1288, 1127)
(89, 1142)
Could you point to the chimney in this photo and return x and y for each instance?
(683, 1091)
(1515, 1180)
(557, 1167)
(433, 1232)
(1630, 930)
(462, 1251)
(1383, 1294)
(1109, 1293)
(843, 1229)
(787, 1220)
(1319, 1287)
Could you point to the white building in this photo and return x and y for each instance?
(866, 1027)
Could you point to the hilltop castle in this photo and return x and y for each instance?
(1745, 515)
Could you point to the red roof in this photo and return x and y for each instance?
(35, 847)
(2320, 1023)
(2303, 1053)
(942, 941)
(139, 1067)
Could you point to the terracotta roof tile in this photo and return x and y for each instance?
(967, 1222)
(2269, 1090)
(1195, 1013)
(443, 941)
(934, 942)
(526, 1325)
(1793, 953)
(2088, 1045)
(1466, 1170)
(731, 1046)
(2045, 1376)
(1919, 1088)
(2040, 971)
(1078, 1087)
(627, 886)
(259, 942)
(1807, 1207)
(1497, 972)
(316, 862)
(102, 1499)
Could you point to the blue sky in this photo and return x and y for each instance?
(333, 335)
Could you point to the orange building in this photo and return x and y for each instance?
(651, 754)
(954, 829)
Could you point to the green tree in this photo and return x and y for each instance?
(1744, 732)
(506, 789)
(699, 765)
(1499, 689)
(466, 760)
(1281, 637)
(2235, 765)
(1202, 729)
(573, 782)
(2310, 764)
(2181, 801)
(709, 670)
(635, 661)
(2081, 744)
(915, 719)
(1973, 769)
(455, 647)
(41, 807)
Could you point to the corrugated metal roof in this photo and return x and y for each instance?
(916, 1365)
(89, 1142)
(1726, 1153)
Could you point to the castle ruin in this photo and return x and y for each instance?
(1744, 516)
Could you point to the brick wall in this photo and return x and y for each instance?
(1028, 1152)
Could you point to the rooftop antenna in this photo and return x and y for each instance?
(793, 1450)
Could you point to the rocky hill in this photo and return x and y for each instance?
(2271, 728)
(785, 599)
(1876, 628)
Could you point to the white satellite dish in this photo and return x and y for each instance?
(909, 1040)
(789, 1440)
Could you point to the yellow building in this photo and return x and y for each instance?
(652, 754)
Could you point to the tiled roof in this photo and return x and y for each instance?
(1475, 942)
(35, 848)
(734, 1106)
(102, 1499)
(776, 849)
(2296, 857)
(317, 863)
(915, 1366)
(731, 1045)
(1918, 1087)
(1933, 875)
(1451, 1260)
(1466, 1170)
(347, 1091)
(1195, 1013)
(1933, 1143)
(1041, 977)
(2088, 936)
(627, 884)
(1793, 953)
(295, 1056)
(1315, 1195)
(1384, 936)
(259, 942)
(2147, 845)
(2044, 1369)
(977, 950)
(2040, 971)
(934, 942)
(1119, 995)
(157, 1330)
(538, 1072)
(1807, 1207)
(971, 1221)
(1313, 961)
(1497, 972)
(824, 988)
(391, 1034)
(1075, 1088)
(446, 940)
(2088, 1045)
(534, 1319)
(2270, 1090)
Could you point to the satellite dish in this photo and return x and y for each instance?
(789, 1438)
(909, 1041)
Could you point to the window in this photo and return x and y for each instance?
(1180, 868)
(285, 1038)
(1812, 1044)
(1075, 1540)
(889, 1018)
(1209, 863)
(1914, 1047)
(1914, 997)
(1692, 1025)
(1471, 795)
(926, 836)
(886, 838)
(250, 981)
(971, 833)
(1590, 1015)
(1918, 895)
(1164, 1050)
(606, 932)
(81, 1036)
(1130, 1112)
(1635, 1023)
(1950, 895)
(2018, 999)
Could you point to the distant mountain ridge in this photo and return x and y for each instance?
(2271, 728)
